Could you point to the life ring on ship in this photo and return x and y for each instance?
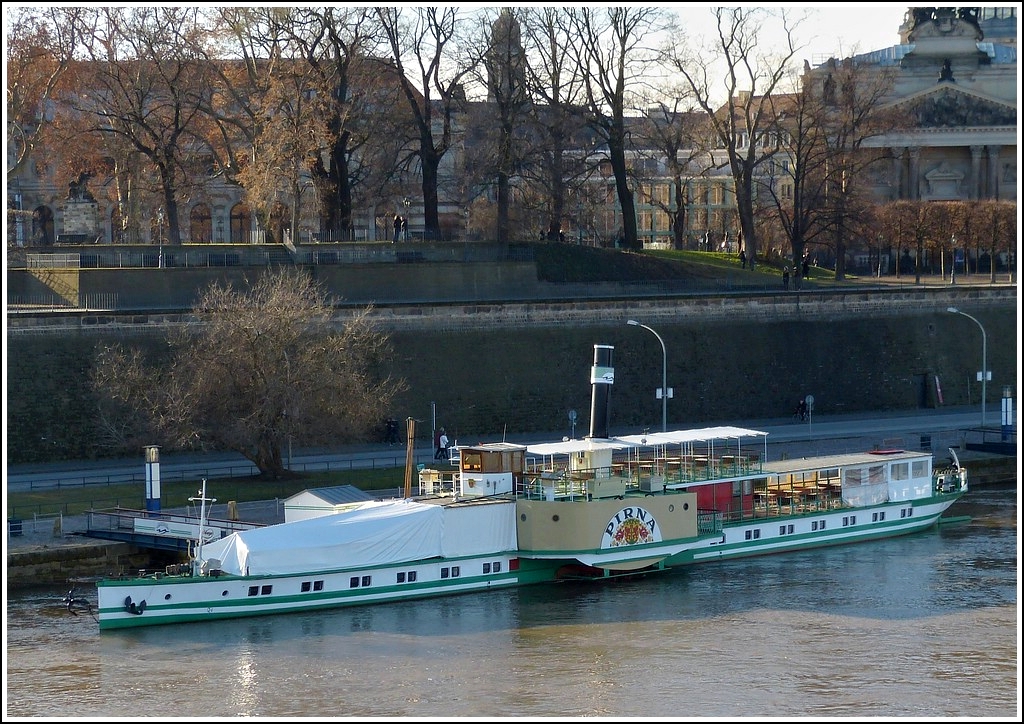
(131, 607)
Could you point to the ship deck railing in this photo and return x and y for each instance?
(645, 475)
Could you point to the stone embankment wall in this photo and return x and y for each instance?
(63, 562)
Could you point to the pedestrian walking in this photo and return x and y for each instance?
(743, 259)
(441, 445)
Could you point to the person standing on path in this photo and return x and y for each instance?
(397, 223)
(442, 445)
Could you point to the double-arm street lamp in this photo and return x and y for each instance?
(984, 357)
(663, 392)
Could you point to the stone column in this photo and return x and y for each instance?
(914, 180)
(897, 173)
(992, 191)
(976, 189)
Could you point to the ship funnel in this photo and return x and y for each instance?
(602, 377)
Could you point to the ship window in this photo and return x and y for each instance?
(455, 571)
(782, 530)
(265, 591)
(853, 520)
(306, 586)
(367, 580)
(353, 582)
(814, 525)
(823, 525)
(497, 567)
(444, 573)
(790, 527)
(412, 576)
(401, 577)
(919, 469)
(318, 585)
(748, 535)
(487, 567)
(254, 590)
(910, 512)
(900, 471)
(757, 533)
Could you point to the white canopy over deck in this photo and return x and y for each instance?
(686, 438)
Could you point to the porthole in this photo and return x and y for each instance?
(554, 518)
(686, 506)
(522, 516)
(223, 593)
(167, 597)
(671, 508)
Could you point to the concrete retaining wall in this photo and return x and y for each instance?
(65, 561)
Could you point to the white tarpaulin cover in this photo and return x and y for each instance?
(374, 533)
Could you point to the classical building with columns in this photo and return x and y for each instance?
(957, 87)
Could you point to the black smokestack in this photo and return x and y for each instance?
(602, 376)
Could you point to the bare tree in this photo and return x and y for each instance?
(742, 127)
(608, 46)
(676, 132)
(428, 40)
(145, 87)
(40, 45)
(556, 122)
(257, 369)
(996, 229)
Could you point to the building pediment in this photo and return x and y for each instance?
(947, 106)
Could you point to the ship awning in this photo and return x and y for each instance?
(568, 447)
(679, 437)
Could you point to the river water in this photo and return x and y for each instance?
(919, 626)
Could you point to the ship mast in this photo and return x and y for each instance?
(197, 560)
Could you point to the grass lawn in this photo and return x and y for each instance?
(75, 500)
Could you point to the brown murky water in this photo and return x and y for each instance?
(921, 626)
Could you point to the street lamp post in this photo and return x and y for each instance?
(664, 391)
(160, 237)
(579, 222)
(952, 251)
(984, 358)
